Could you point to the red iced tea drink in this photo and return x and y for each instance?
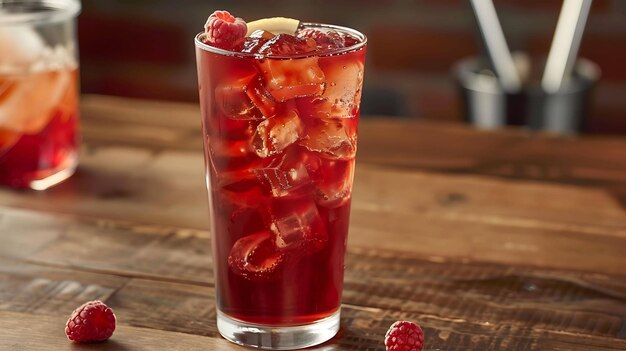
(280, 115)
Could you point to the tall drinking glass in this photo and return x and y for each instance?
(280, 137)
(38, 92)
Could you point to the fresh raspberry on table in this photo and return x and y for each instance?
(93, 321)
(224, 30)
(404, 336)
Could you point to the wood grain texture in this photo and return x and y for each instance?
(458, 216)
(460, 306)
(490, 240)
(46, 333)
(161, 279)
(442, 147)
(137, 184)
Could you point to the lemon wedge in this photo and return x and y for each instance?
(276, 25)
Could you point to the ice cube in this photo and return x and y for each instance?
(261, 97)
(21, 46)
(342, 96)
(290, 78)
(232, 98)
(57, 58)
(297, 225)
(273, 135)
(333, 182)
(28, 101)
(254, 42)
(232, 177)
(27, 98)
(263, 34)
(285, 175)
(332, 138)
(255, 257)
(287, 45)
(325, 40)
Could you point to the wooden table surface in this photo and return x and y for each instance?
(490, 240)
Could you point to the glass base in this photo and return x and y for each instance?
(63, 172)
(278, 338)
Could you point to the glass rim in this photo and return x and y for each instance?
(59, 10)
(362, 42)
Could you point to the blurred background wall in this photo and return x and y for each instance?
(144, 48)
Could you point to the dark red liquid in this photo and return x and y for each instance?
(280, 162)
(46, 148)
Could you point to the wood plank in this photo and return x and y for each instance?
(21, 331)
(516, 154)
(147, 185)
(167, 188)
(519, 296)
(185, 310)
(35, 289)
(441, 147)
(119, 248)
(44, 334)
(158, 125)
(475, 198)
(442, 239)
(460, 306)
(491, 240)
(374, 278)
(447, 216)
(128, 184)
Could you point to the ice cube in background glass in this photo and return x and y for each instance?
(232, 99)
(288, 79)
(34, 83)
(331, 138)
(342, 96)
(20, 46)
(29, 101)
(275, 134)
(57, 58)
(297, 226)
(255, 257)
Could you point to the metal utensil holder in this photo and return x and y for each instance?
(487, 106)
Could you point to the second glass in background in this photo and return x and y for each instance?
(38, 92)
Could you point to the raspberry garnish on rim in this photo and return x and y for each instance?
(223, 29)
(276, 36)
